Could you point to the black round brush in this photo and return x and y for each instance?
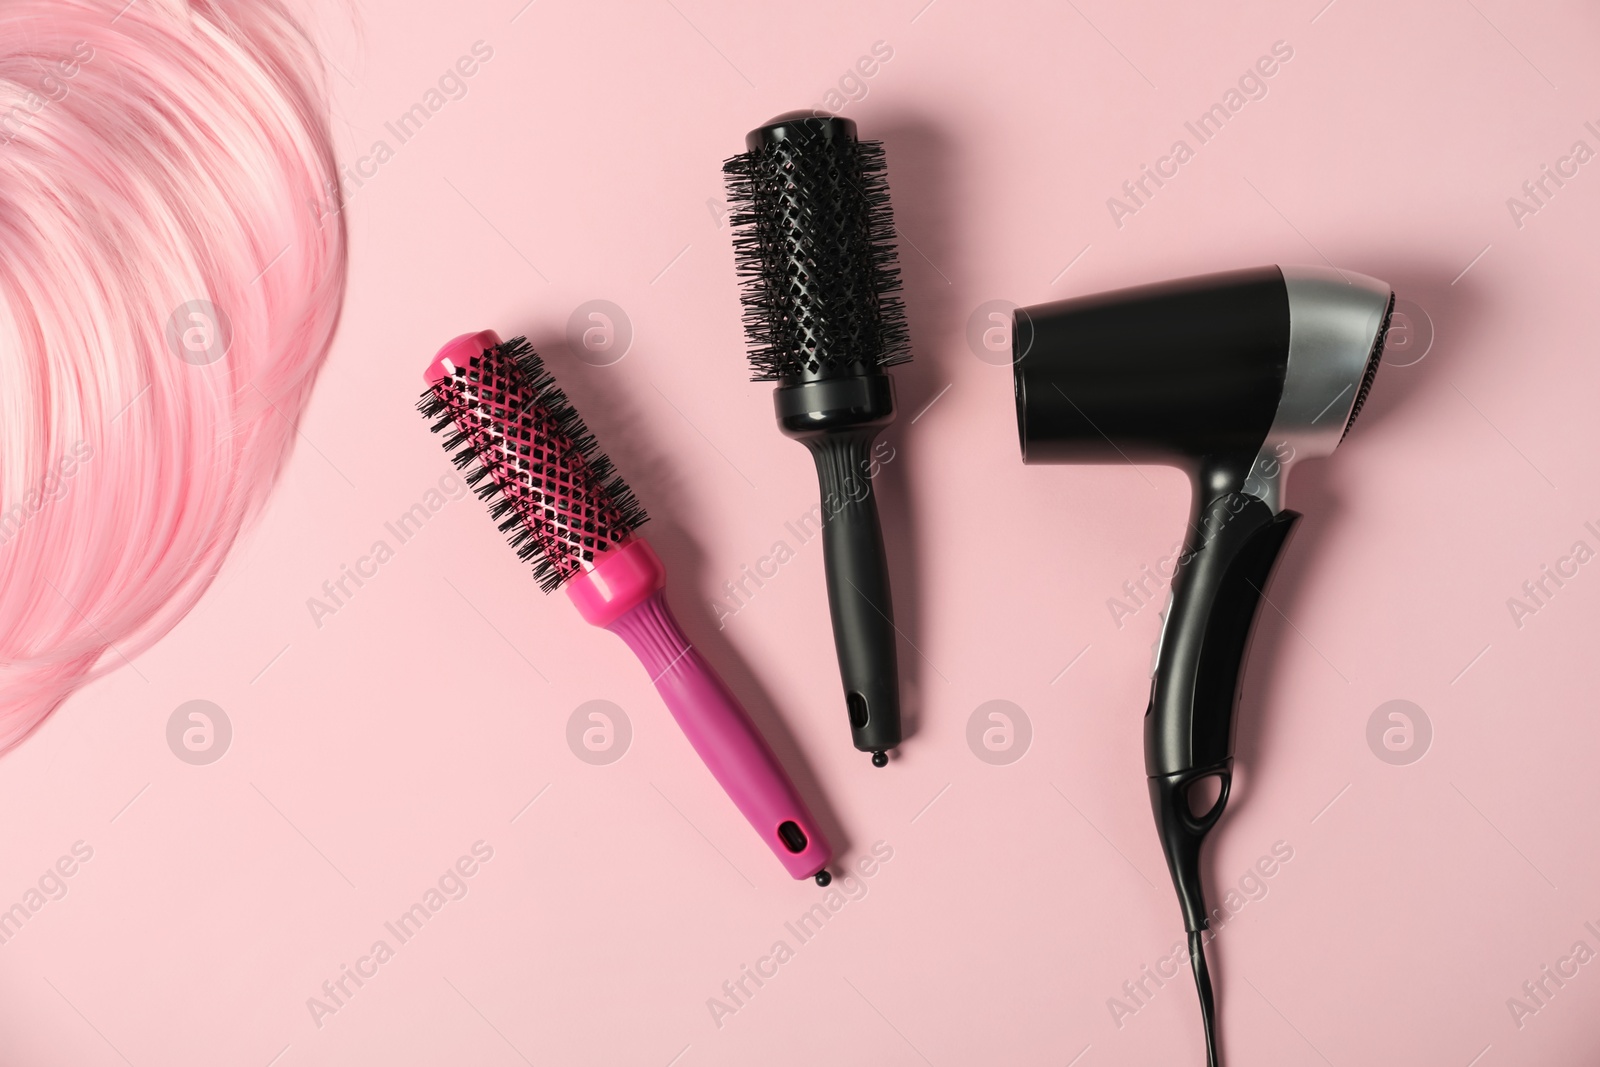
(813, 241)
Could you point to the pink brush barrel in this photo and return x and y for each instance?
(623, 594)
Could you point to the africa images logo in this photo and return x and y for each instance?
(1252, 85)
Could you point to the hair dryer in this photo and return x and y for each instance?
(1233, 377)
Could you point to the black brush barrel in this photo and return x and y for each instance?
(815, 247)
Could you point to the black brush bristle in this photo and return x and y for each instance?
(814, 246)
(525, 451)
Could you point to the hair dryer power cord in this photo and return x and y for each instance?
(1208, 1005)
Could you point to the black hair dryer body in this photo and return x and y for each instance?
(1233, 377)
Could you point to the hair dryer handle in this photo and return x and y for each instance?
(1234, 543)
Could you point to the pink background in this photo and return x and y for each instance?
(583, 162)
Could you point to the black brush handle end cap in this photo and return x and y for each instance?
(802, 126)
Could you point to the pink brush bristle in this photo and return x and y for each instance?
(526, 451)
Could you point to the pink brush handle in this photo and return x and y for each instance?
(624, 595)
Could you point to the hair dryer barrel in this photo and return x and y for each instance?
(1158, 373)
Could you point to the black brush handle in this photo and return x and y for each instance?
(838, 420)
(858, 587)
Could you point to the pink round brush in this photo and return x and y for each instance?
(569, 514)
